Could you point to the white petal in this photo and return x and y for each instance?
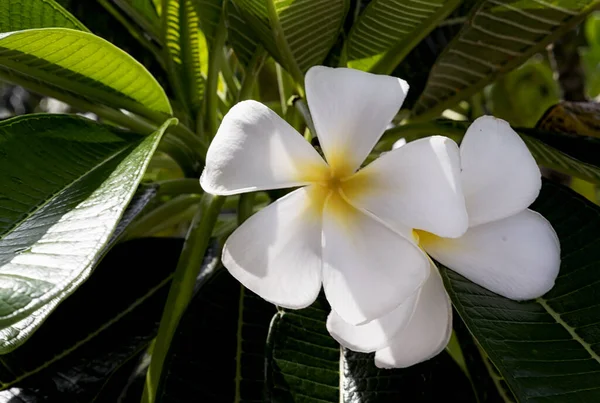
(368, 270)
(276, 253)
(499, 175)
(375, 334)
(517, 257)
(254, 149)
(351, 109)
(428, 331)
(416, 185)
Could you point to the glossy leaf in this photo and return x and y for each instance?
(232, 369)
(16, 15)
(83, 64)
(303, 361)
(547, 350)
(298, 34)
(58, 210)
(388, 30)
(305, 364)
(498, 37)
(72, 366)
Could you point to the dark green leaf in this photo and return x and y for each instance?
(217, 353)
(16, 15)
(298, 34)
(388, 30)
(242, 39)
(66, 182)
(303, 365)
(547, 350)
(89, 336)
(83, 65)
(497, 37)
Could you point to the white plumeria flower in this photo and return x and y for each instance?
(507, 249)
(350, 231)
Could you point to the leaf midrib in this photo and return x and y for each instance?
(60, 192)
(572, 332)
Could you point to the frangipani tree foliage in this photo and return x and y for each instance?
(120, 279)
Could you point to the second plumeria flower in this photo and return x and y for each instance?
(508, 249)
(347, 230)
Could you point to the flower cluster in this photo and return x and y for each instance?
(365, 233)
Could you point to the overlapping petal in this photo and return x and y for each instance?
(368, 270)
(499, 176)
(373, 335)
(254, 149)
(517, 257)
(428, 331)
(276, 253)
(417, 185)
(350, 110)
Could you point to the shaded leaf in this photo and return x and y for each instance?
(546, 349)
(298, 34)
(16, 15)
(303, 365)
(58, 209)
(242, 39)
(83, 64)
(234, 322)
(72, 366)
(387, 30)
(497, 37)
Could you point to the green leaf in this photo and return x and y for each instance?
(232, 369)
(298, 34)
(58, 209)
(16, 15)
(242, 39)
(75, 364)
(188, 49)
(388, 30)
(304, 364)
(302, 360)
(83, 64)
(547, 350)
(496, 38)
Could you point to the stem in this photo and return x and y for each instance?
(245, 207)
(182, 287)
(303, 109)
(233, 85)
(256, 64)
(212, 80)
(284, 90)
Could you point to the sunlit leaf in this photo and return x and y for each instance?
(65, 184)
(83, 64)
(496, 38)
(388, 30)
